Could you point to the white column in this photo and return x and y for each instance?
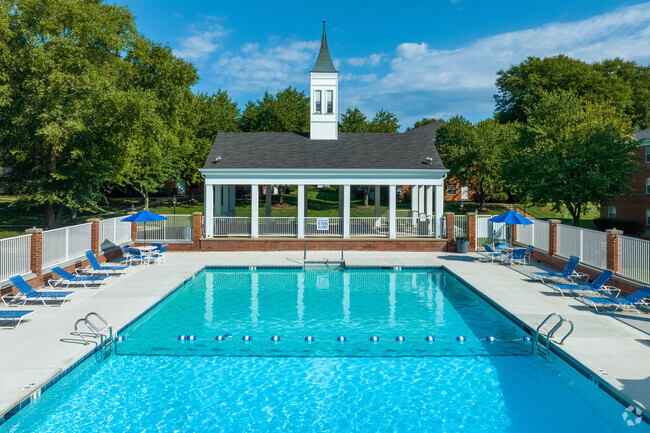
(226, 200)
(346, 211)
(439, 209)
(217, 200)
(269, 198)
(392, 207)
(414, 201)
(255, 210)
(232, 200)
(429, 200)
(301, 211)
(421, 197)
(377, 201)
(208, 206)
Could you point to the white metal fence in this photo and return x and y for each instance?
(634, 258)
(232, 226)
(278, 226)
(113, 232)
(333, 227)
(594, 248)
(175, 228)
(461, 229)
(569, 241)
(67, 243)
(410, 227)
(369, 227)
(14, 256)
(540, 234)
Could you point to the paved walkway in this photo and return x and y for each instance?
(34, 352)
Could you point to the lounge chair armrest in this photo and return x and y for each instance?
(613, 290)
(7, 296)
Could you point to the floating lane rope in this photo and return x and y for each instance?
(374, 338)
(430, 338)
(187, 337)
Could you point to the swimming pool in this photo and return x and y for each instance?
(157, 382)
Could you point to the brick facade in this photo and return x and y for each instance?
(327, 244)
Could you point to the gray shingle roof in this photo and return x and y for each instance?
(287, 150)
(645, 134)
(324, 61)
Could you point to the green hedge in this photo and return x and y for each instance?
(628, 226)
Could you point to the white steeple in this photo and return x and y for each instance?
(324, 91)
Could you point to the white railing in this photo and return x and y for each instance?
(334, 226)
(369, 227)
(408, 227)
(526, 234)
(487, 231)
(540, 235)
(175, 228)
(594, 248)
(569, 241)
(634, 258)
(461, 229)
(232, 226)
(64, 244)
(14, 256)
(113, 232)
(278, 226)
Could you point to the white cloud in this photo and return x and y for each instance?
(372, 60)
(203, 41)
(278, 65)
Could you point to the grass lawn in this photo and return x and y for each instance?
(320, 202)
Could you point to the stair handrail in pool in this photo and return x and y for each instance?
(105, 341)
(542, 345)
(326, 262)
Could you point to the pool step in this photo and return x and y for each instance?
(104, 332)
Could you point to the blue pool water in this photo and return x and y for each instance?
(158, 383)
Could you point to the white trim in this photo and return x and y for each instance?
(392, 208)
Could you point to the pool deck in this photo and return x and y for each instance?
(35, 352)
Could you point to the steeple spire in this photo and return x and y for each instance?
(324, 61)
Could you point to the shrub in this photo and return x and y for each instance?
(627, 226)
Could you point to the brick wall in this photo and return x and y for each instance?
(247, 244)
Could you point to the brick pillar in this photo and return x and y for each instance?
(197, 229)
(613, 249)
(134, 228)
(449, 223)
(36, 250)
(94, 234)
(471, 232)
(552, 236)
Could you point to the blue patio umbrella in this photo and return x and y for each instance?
(512, 218)
(144, 216)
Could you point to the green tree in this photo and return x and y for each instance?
(424, 121)
(286, 111)
(572, 152)
(353, 120)
(473, 153)
(521, 86)
(383, 121)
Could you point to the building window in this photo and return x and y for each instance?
(317, 102)
(611, 211)
(647, 217)
(647, 154)
(647, 185)
(451, 189)
(330, 101)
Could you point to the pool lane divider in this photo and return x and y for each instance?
(277, 338)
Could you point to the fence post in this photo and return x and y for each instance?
(471, 232)
(36, 250)
(552, 236)
(449, 223)
(197, 230)
(134, 228)
(613, 249)
(94, 234)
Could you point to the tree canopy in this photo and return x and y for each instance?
(572, 152)
(622, 85)
(286, 111)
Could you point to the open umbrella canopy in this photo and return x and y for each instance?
(511, 217)
(144, 216)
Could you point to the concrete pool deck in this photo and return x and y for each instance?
(34, 353)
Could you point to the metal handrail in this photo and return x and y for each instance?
(558, 326)
(108, 325)
(94, 331)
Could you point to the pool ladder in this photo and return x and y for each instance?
(104, 332)
(543, 336)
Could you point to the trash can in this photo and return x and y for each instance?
(461, 245)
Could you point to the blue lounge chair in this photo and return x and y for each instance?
(632, 300)
(15, 316)
(67, 278)
(27, 292)
(96, 267)
(569, 273)
(598, 286)
(491, 253)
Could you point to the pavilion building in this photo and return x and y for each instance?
(325, 157)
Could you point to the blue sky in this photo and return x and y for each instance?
(433, 58)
